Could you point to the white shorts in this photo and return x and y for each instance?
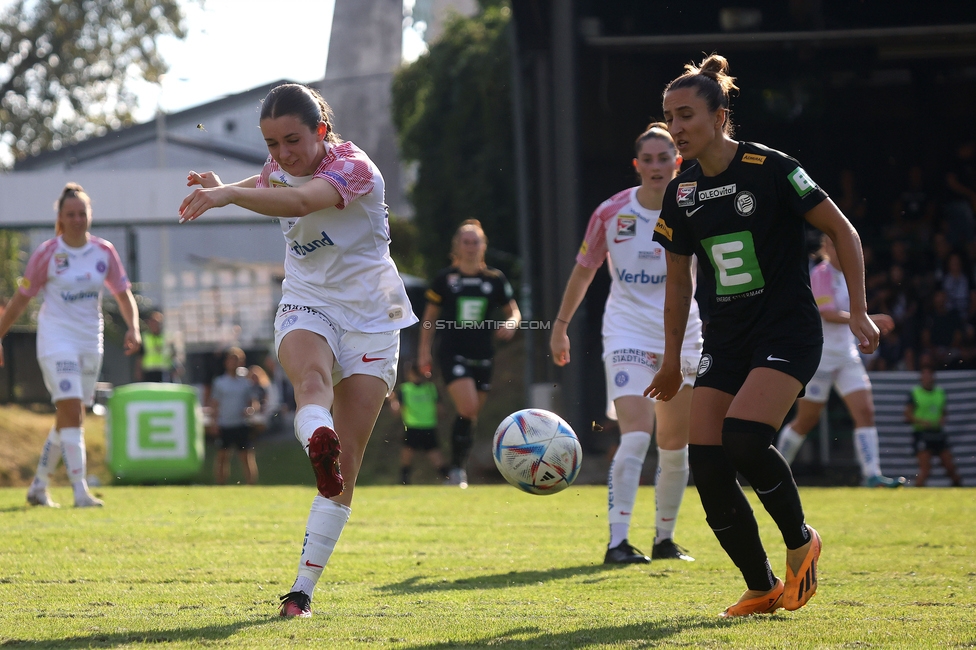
(71, 376)
(630, 371)
(356, 353)
(844, 371)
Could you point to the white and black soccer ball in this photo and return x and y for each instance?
(537, 451)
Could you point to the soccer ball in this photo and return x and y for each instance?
(537, 451)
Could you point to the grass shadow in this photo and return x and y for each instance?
(415, 584)
(201, 635)
(637, 635)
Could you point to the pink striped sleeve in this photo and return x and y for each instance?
(593, 250)
(115, 278)
(822, 283)
(269, 166)
(349, 171)
(35, 275)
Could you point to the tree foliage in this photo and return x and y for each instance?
(452, 109)
(64, 63)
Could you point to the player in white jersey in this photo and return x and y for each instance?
(621, 230)
(69, 273)
(337, 330)
(840, 367)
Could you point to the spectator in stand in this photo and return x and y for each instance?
(914, 212)
(956, 285)
(852, 203)
(944, 332)
(958, 210)
(902, 305)
(926, 412)
(938, 264)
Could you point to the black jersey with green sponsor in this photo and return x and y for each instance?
(746, 226)
(466, 302)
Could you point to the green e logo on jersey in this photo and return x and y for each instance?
(734, 260)
(802, 183)
(471, 310)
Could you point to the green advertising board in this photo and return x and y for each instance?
(154, 433)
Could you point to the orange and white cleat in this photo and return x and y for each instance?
(764, 604)
(801, 584)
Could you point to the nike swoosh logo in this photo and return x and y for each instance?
(772, 358)
(620, 241)
(667, 518)
(317, 566)
(624, 513)
(367, 359)
(688, 213)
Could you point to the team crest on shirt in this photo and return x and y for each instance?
(745, 203)
(101, 266)
(60, 262)
(486, 287)
(686, 194)
(454, 282)
(626, 228)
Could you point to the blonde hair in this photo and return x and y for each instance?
(713, 83)
(70, 191)
(468, 225)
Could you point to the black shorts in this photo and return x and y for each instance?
(420, 439)
(235, 438)
(934, 441)
(726, 370)
(455, 366)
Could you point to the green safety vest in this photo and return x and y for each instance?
(419, 405)
(155, 356)
(929, 406)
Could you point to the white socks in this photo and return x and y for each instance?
(50, 455)
(625, 473)
(789, 443)
(670, 484)
(866, 448)
(73, 449)
(309, 418)
(325, 523)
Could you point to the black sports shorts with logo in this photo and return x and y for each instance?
(455, 366)
(726, 370)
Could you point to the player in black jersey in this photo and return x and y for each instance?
(460, 300)
(741, 210)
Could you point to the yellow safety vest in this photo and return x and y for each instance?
(154, 353)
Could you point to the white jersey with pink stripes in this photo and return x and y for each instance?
(830, 292)
(621, 231)
(338, 259)
(70, 282)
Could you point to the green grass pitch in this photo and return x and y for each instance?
(438, 568)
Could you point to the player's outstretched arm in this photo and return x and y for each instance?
(132, 342)
(579, 281)
(827, 217)
(679, 291)
(11, 312)
(316, 194)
